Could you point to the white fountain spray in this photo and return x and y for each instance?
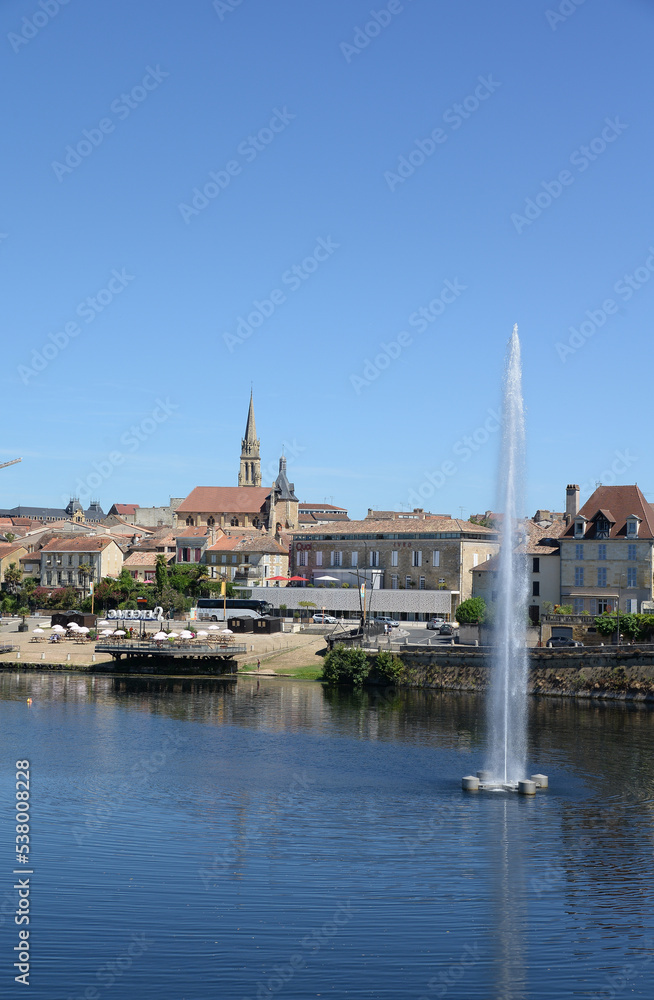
(507, 702)
(510, 667)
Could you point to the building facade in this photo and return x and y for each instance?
(429, 552)
(61, 560)
(607, 551)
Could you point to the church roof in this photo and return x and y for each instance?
(225, 500)
(250, 427)
(284, 489)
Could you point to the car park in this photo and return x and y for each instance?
(435, 623)
(558, 641)
(386, 621)
(325, 620)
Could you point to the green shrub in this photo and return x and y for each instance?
(388, 666)
(346, 666)
(472, 611)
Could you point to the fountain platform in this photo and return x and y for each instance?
(483, 782)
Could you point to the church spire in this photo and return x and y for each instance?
(250, 471)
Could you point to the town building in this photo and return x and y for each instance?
(250, 560)
(540, 544)
(10, 552)
(311, 514)
(607, 550)
(249, 505)
(62, 558)
(425, 552)
(141, 566)
(73, 511)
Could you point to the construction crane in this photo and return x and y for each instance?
(4, 465)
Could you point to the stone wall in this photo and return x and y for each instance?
(625, 674)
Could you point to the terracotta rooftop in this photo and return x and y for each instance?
(248, 543)
(192, 532)
(146, 558)
(370, 526)
(89, 544)
(321, 508)
(620, 502)
(224, 499)
(8, 548)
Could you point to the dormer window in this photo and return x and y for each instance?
(632, 526)
(579, 528)
(602, 528)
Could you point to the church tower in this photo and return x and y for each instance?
(250, 471)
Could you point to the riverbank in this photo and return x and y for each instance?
(622, 674)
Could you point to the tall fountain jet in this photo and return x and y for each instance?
(507, 705)
(507, 702)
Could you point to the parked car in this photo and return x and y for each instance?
(435, 623)
(325, 620)
(386, 621)
(446, 629)
(561, 640)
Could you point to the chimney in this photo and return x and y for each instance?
(571, 502)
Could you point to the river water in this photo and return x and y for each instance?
(207, 838)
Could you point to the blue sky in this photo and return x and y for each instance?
(338, 191)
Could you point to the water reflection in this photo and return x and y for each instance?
(509, 894)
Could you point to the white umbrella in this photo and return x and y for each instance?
(119, 631)
(160, 635)
(185, 634)
(202, 633)
(58, 628)
(172, 635)
(326, 579)
(37, 631)
(72, 625)
(83, 628)
(227, 631)
(214, 628)
(106, 631)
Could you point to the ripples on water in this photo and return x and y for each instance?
(271, 839)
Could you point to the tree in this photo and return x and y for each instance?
(10, 536)
(160, 573)
(84, 572)
(472, 611)
(13, 577)
(307, 604)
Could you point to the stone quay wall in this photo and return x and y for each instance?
(626, 674)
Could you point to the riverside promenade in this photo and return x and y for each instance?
(276, 652)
